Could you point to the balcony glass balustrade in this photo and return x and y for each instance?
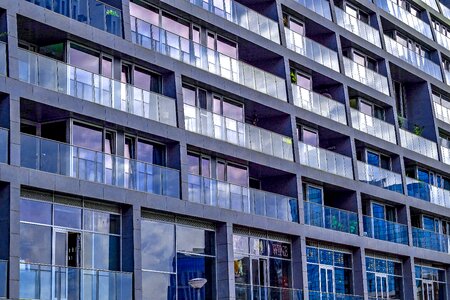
(55, 282)
(366, 76)
(373, 126)
(243, 199)
(330, 218)
(325, 160)
(3, 60)
(405, 16)
(63, 78)
(380, 177)
(243, 16)
(187, 51)
(442, 39)
(95, 13)
(431, 3)
(427, 192)
(445, 151)
(316, 295)
(312, 50)
(384, 230)
(442, 112)
(445, 10)
(68, 160)
(321, 7)
(249, 292)
(242, 134)
(412, 58)
(447, 76)
(361, 29)
(430, 240)
(319, 104)
(4, 145)
(418, 144)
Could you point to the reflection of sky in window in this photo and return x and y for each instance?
(158, 246)
(87, 137)
(190, 239)
(84, 61)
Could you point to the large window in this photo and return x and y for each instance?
(384, 278)
(329, 270)
(260, 263)
(430, 283)
(172, 256)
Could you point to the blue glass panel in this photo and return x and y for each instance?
(312, 255)
(315, 195)
(373, 159)
(370, 264)
(36, 212)
(313, 277)
(326, 257)
(380, 266)
(189, 267)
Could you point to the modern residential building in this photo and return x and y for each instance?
(225, 149)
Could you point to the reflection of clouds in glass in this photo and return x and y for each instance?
(35, 243)
(157, 246)
(156, 286)
(87, 137)
(190, 239)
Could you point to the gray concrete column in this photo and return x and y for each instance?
(409, 279)
(225, 262)
(359, 273)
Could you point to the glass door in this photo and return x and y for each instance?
(326, 278)
(381, 286)
(260, 278)
(428, 290)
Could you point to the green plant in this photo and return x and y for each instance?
(112, 12)
(418, 130)
(400, 121)
(293, 77)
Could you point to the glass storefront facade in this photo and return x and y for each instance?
(384, 278)
(430, 283)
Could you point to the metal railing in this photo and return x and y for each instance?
(325, 160)
(316, 295)
(385, 230)
(373, 126)
(356, 26)
(321, 7)
(68, 160)
(242, 134)
(243, 16)
(380, 177)
(430, 240)
(38, 281)
(330, 218)
(442, 112)
(253, 292)
(366, 76)
(4, 145)
(243, 199)
(418, 144)
(312, 50)
(319, 104)
(63, 78)
(187, 51)
(427, 192)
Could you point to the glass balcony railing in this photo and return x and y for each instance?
(413, 58)
(384, 230)
(430, 240)
(442, 112)
(373, 126)
(95, 13)
(445, 150)
(405, 16)
(447, 76)
(319, 104)
(325, 160)
(330, 218)
(316, 295)
(242, 134)
(68, 160)
(380, 177)
(431, 3)
(427, 192)
(3, 279)
(63, 78)
(321, 7)
(445, 10)
(187, 51)
(4, 145)
(243, 199)
(55, 282)
(243, 16)
(249, 292)
(3, 60)
(442, 40)
(356, 26)
(418, 144)
(366, 76)
(312, 50)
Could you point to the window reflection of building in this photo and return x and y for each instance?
(173, 254)
(384, 277)
(430, 282)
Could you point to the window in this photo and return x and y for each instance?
(222, 45)
(195, 96)
(145, 151)
(313, 194)
(356, 13)
(384, 212)
(378, 160)
(309, 136)
(400, 99)
(410, 44)
(232, 173)
(303, 80)
(199, 165)
(90, 61)
(228, 108)
(430, 282)
(296, 25)
(384, 278)
(365, 60)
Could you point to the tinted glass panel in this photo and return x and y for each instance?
(158, 246)
(101, 222)
(66, 216)
(84, 60)
(87, 137)
(101, 251)
(151, 153)
(193, 164)
(195, 240)
(35, 243)
(237, 175)
(164, 283)
(36, 212)
(188, 267)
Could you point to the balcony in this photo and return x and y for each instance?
(418, 144)
(243, 16)
(330, 218)
(243, 199)
(238, 133)
(427, 192)
(412, 58)
(430, 240)
(442, 112)
(384, 230)
(56, 282)
(325, 160)
(68, 160)
(359, 28)
(405, 16)
(3, 60)
(248, 292)
(95, 13)
(187, 51)
(316, 295)
(380, 177)
(432, 4)
(4, 145)
(442, 40)
(319, 104)
(445, 151)
(63, 78)
(373, 126)
(445, 10)
(321, 7)
(366, 76)
(312, 50)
